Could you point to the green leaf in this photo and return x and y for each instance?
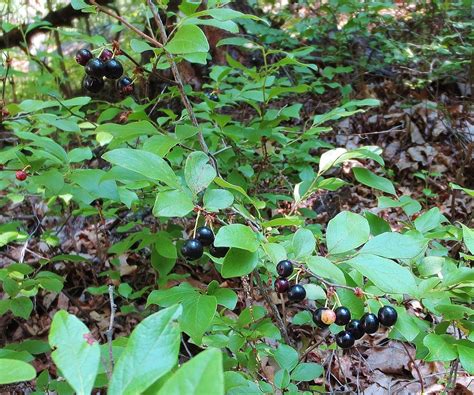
(325, 268)
(145, 163)
(441, 347)
(188, 39)
(377, 224)
(286, 357)
(237, 236)
(198, 172)
(393, 245)
(372, 180)
(172, 204)
(203, 374)
(76, 353)
(386, 275)
(346, 231)
(14, 371)
(198, 313)
(21, 307)
(303, 243)
(217, 199)
(429, 220)
(239, 262)
(306, 371)
(140, 46)
(314, 292)
(468, 237)
(466, 355)
(151, 352)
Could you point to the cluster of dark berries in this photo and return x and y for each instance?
(103, 66)
(354, 329)
(193, 249)
(296, 292)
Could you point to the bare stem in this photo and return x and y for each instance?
(110, 330)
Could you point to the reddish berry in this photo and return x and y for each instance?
(21, 175)
(106, 54)
(83, 56)
(323, 317)
(281, 285)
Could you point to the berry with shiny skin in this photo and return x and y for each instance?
(284, 268)
(125, 85)
(83, 56)
(355, 327)
(345, 339)
(106, 54)
(205, 235)
(296, 293)
(218, 252)
(21, 175)
(343, 315)
(93, 84)
(192, 249)
(95, 68)
(113, 69)
(370, 323)
(281, 285)
(387, 315)
(323, 317)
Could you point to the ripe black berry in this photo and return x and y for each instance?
(323, 317)
(93, 84)
(113, 69)
(125, 85)
(387, 315)
(281, 285)
(83, 56)
(345, 339)
(205, 235)
(343, 315)
(284, 268)
(21, 175)
(95, 68)
(355, 327)
(218, 252)
(192, 249)
(296, 293)
(370, 323)
(106, 54)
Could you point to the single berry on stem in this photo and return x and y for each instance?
(83, 56)
(370, 323)
(95, 68)
(192, 249)
(355, 327)
(296, 293)
(345, 339)
(218, 252)
(281, 285)
(387, 315)
(125, 85)
(323, 317)
(106, 54)
(21, 175)
(93, 84)
(205, 235)
(343, 315)
(284, 268)
(113, 69)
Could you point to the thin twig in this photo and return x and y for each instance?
(417, 369)
(110, 330)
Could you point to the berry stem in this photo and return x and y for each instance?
(196, 224)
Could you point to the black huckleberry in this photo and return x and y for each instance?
(192, 249)
(218, 252)
(355, 327)
(113, 69)
(296, 293)
(343, 315)
(387, 315)
(370, 323)
(125, 85)
(95, 68)
(205, 235)
(323, 317)
(83, 56)
(281, 285)
(106, 54)
(345, 339)
(284, 268)
(93, 84)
